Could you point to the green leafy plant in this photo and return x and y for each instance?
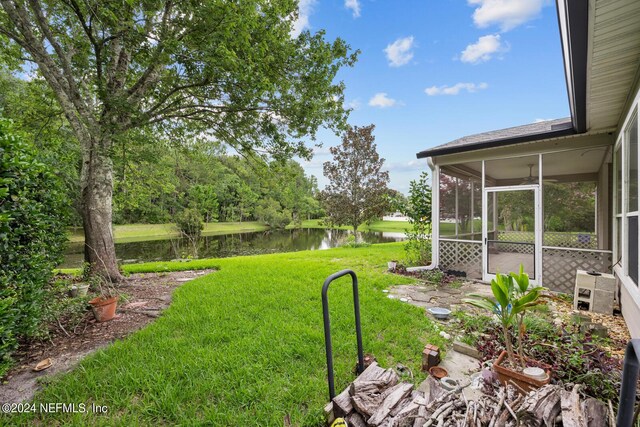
(418, 210)
(190, 222)
(353, 243)
(59, 311)
(513, 295)
(32, 236)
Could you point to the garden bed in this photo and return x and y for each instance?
(70, 340)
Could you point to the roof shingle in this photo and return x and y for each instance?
(508, 136)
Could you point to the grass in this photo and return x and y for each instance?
(398, 226)
(244, 346)
(142, 232)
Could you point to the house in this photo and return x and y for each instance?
(559, 195)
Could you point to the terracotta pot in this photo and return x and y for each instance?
(524, 382)
(104, 308)
(438, 372)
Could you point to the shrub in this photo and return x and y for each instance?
(32, 237)
(271, 213)
(190, 222)
(352, 242)
(418, 210)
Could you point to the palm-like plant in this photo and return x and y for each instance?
(513, 295)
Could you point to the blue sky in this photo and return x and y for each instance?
(431, 71)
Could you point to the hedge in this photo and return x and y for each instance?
(32, 211)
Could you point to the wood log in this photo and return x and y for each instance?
(540, 407)
(572, 415)
(368, 387)
(329, 414)
(435, 389)
(421, 418)
(419, 398)
(406, 415)
(342, 404)
(366, 404)
(355, 420)
(596, 413)
(375, 373)
(393, 396)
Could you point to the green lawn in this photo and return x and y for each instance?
(399, 226)
(244, 346)
(142, 232)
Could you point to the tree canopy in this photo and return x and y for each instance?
(357, 190)
(219, 71)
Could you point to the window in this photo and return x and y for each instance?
(617, 164)
(631, 197)
(460, 201)
(569, 199)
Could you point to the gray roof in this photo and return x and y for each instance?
(514, 135)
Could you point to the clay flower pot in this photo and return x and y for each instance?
(104, 308)
(82, 289)
(525, 383)
(438, 372)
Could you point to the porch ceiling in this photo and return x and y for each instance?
(576, 165)
(612, 60)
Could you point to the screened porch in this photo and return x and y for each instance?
(547, 211)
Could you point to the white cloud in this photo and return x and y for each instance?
(399, 52)
(354, 6)
(354, 104)
(381, 100)
(305, 9)
(410, 166)
(483, 49)
(508, 14)
(541, 120)
(321, 151)
(455, 89)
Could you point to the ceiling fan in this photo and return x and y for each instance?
(534, 179)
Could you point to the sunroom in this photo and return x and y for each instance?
(536, 195)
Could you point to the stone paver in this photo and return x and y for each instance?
(427, 296)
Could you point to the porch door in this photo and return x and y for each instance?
(512, 231)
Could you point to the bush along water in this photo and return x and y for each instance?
(32, 213)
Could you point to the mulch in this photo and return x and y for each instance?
(147, 295)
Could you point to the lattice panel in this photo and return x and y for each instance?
(462, 256)
(517, 236)
(571, 240)
(559, 267)
(512, 247)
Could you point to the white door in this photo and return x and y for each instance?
(511, 231)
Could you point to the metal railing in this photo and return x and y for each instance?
(327, 326)
(630, 373)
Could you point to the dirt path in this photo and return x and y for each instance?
(148, 295)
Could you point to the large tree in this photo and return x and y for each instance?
(357, 190)
(222, 70)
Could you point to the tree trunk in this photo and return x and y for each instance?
(508, 344)
(96, 185)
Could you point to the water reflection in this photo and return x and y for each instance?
(229, 245)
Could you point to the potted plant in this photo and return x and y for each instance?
(79, 290)
(513, 296)
(105, 304)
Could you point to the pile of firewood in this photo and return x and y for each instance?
(377, 398)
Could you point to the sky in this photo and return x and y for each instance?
(431, 71)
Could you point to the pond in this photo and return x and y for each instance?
(229, 245)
